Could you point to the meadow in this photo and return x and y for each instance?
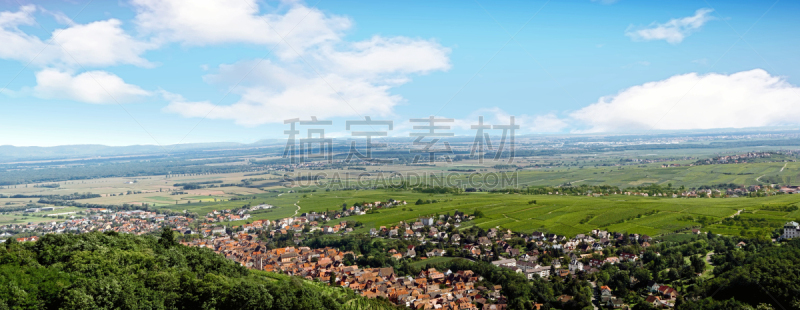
(566, 215)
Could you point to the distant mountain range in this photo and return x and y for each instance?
(9, 153)
(14, 153)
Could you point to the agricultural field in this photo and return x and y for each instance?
(580, 172)
(567, 215)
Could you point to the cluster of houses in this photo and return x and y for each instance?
(425, 228)
(431, 289)
(229, 215)
(97, 219)
(734, 159)
(730, 193)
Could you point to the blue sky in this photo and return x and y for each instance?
(175, 71)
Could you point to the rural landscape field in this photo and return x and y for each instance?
(506, 203)
(397, 155)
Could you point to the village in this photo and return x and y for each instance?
(537, 255)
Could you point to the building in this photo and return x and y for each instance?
(791, 230)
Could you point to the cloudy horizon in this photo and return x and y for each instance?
(147, 72)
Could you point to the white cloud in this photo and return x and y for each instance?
(273, 93)
(333, 78)
(673, 31)
(18, 45)
(98, 87)
(380, 55)
(97, 44)
(690, 101)
(101, 43)
(204, 22)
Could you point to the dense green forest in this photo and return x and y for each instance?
(119, 271)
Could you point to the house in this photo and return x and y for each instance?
(791, 230)
(542, 271)
(436, 252)
(628, 257)
(410, 253)
(615, 303)
(505, 262)
(653, 300)
(652, 286)
(605, 291)
(28, 239)
(612, 260)
(428, 221)
(575, 266)
(218, 230)
(667, 292)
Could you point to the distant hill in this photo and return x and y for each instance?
(10, 152)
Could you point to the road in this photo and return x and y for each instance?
(298, 208)
(758, 179)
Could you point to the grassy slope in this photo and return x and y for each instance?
(557, 214)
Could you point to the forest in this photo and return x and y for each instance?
(120, 271)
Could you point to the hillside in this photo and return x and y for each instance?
(119, 271)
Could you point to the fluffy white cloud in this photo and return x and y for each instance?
(690, 101)
(332, 78)
(97, 44)
(17, 44)
(92, 87)
(387, 55)
(203, 22)
(673, 31)
(273, 93)
(101, 43)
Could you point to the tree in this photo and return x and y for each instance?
(167, 237)
(698, 264)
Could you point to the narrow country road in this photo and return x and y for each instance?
(298, 208)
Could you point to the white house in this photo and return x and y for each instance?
(791, 230)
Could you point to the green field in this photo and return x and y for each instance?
(567, 215)
(599, 172)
